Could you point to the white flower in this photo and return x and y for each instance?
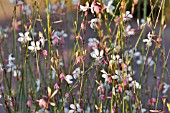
(150, 62)
(1, 69)
(75, 2)
(96, 54)
(118, 73)
(128, 78)
(61, 62)
(105, 74)
(115, 59)
(24, 38)
(34, 46)
(76, 72)
(132, 53)
(128, 95)
(69, 78)
(127, 16)
(16, 72)
(58, 35)
(142, 21)
(135, 85)
(165, 88)
(38, 84)
(148, 41)
(129, 31)
(110, 7)
(93, 23)
(84, 8)
(11, 67)
(75, 108)
(11, 58)
(92, 42)
(27, 9)
(141, 60)
(42, 39)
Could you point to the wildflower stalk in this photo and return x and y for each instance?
(163, 45)
(48, 37)
(137, 42)
(145, 9)
(14, 32)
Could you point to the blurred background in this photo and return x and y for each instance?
(6, 8)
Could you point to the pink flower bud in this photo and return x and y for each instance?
(29, 103)
(56, 86)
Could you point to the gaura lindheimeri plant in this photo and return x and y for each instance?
(75, 56)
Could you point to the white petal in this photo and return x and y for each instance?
(104, 76)
(93, 55)
(110, 2)
(69, 77)
(115, 77)
(103, 71)
(31, 48)
(145, 40)
(82, 8)
(71, 111)
(21, 34)
(9, 70)
(37, 43)
(20, 39)
(33, 43)
(72, 106)
(26, 33)
(136, 54)
(101, 53)
(139, 62)
(77, 105)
